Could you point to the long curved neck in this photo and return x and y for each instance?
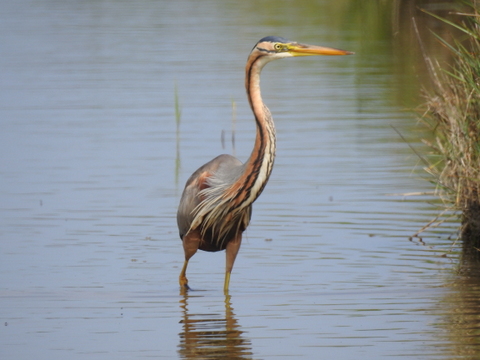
(258, 167)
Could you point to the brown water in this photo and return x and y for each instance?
(92, 170)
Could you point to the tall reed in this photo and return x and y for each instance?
(178, 118)
(453, 115)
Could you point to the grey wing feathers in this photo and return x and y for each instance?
(223, 165)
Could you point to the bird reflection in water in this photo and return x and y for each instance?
(212, 335)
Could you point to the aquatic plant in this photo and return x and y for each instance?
(452, 113)
(178, 118)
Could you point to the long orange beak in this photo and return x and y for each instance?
(297, 49)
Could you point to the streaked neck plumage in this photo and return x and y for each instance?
(258, 167)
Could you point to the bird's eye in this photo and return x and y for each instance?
(279, 47)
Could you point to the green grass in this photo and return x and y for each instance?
(178, 116)
(452, 113)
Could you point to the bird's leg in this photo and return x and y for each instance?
(231, 253)
(191, 242)
(182, 279)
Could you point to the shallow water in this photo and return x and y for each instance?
(93, 168)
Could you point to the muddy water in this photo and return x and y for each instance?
(92, 169)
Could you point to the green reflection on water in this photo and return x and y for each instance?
(459, 313)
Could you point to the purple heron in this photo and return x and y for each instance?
(216, 203)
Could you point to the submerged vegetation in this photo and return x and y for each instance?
(453, 115)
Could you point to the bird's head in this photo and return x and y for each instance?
(275, 47)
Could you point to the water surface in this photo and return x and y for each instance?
(93, 168)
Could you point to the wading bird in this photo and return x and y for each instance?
(216, 203)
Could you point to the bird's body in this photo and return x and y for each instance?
(224, 169)
(216, 204)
